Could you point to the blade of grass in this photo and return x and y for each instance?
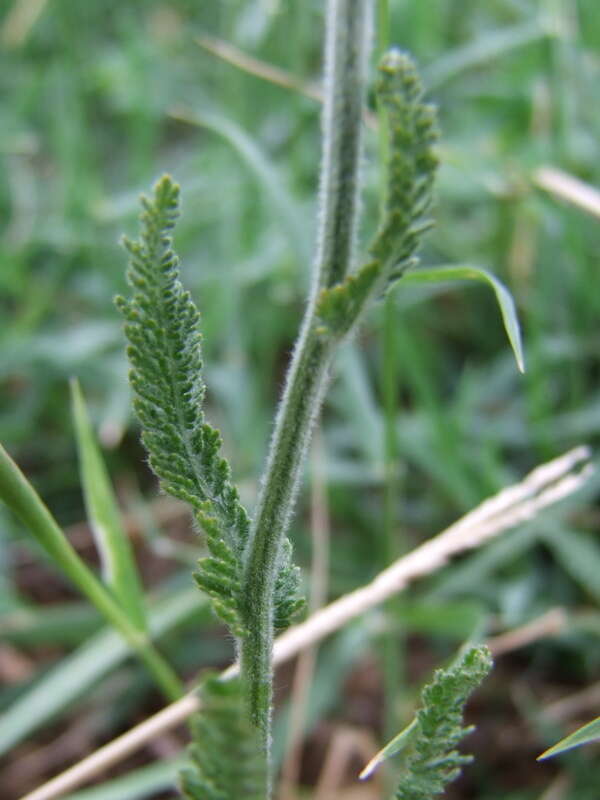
(260, 69)
(555, 481)
(392, 748)
(20, 496)
(20, 20)
(58, 624)
(258, 162)
(485, 48)
(577, 553)
(119, 570)
(503, 296)
(137, 784)
(75, 674)
(584, 735)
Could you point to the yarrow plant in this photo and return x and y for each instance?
(248, 573)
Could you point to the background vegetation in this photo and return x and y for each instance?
(100, 98)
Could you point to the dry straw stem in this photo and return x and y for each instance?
(20, 20)
(551, 623)
(268, 72)
(568, 188)
(543, 487)
(573, 704)
(260, 69)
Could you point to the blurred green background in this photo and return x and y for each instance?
(97, 99)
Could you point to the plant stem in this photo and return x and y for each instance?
(547, 485)
(23, 500)
(346, 52)
(390, 650)
(346, 63)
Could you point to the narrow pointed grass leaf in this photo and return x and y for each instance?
(23, 500)
(20, 496)
(577, 553)
(503, 297)
(584, 735)
(119, 570)
(392, 748)
(484, 49)
(60, 623)
(82, 669)
(138, 784)
(259, 164)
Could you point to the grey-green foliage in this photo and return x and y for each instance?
(162, 326)
(411, 167)
(226, 758)
(432, 760)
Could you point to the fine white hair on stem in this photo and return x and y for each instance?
(346, 63)
(306, 662)
(543, 487)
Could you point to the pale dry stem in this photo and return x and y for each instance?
(569, 188)
(543, 487)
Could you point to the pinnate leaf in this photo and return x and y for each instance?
(431, 759)
(162, 326)
(226, 757)
(411, 167)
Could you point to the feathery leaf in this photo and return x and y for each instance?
(162, 326)
(431, 760)
(226, 757)
(411, 170)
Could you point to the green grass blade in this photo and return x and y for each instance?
(484, 49)
(20, 496)
(137, 784)
(577, 553)
(264, 170)
(503, 296)
(58, 624)
(392, 748)
(118, 565)
(584, 735)
(85, 667)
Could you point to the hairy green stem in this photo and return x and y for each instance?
(301, 401)
(346, 63)
(346, 53)
(22, 499)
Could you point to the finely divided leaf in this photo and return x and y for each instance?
(411, 167)
(162, 325)
(226, 756)
(431, 760)
(412, 163)
(287, 600)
